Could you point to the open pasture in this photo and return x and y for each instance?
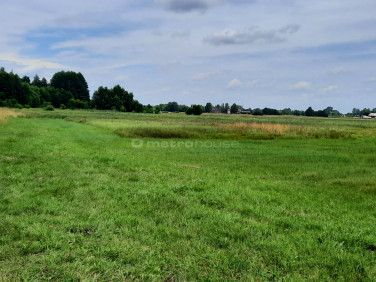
(285, 198)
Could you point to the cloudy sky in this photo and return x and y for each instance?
(256, 53)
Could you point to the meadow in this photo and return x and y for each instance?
(95, 195)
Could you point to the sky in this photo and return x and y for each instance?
(255, 53)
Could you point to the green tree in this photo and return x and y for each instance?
(366, 112)
(72, 82)
(195, 110)
(172, 107)
(234, 109)
(36, 81)
(25, 79)
(309, 112)
(208, 107)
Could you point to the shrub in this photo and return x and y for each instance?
(63, 107)
(27, 106)
(49, 108)
(195, 110)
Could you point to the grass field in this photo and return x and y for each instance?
(214, 197)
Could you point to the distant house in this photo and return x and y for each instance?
(244, 112)
(216, 110)
(372, 115)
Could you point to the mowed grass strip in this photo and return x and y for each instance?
(79, 202)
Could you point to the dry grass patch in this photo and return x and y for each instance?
(7, 113)
(268, 127)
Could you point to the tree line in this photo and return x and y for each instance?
(68, 89)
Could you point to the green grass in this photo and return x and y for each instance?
(78, 202)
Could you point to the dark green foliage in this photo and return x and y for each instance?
(72, 82)
(172, 107)
(116, 98)
(234, 109)
(322, 114)
(257, 112)
(25, 79)
(310, 112)
(269, 111)
(195, 110)
(157, 110)
(148, 109)
(286, 111)
(77, 104)
(49, 108)
(365, 112)
(208, 107)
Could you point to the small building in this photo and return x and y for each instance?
(244, 112)
(216, 111)
(372, 115)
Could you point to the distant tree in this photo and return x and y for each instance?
(356, 112)
(309, 112)
(157, 109)
(365, 112)
(321, 114)
(269, 111)
(183, 108)
(148, 109)
(25, 79)
(234, 109)
(195, 110)
(137, 107)
(72, 82)
(208, 107)
(36, 81)
(298, 113)
(43, 82)
(286, 111)
(257, 112)
(172, 107)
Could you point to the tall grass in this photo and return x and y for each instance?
(5, 114)
(130, 125)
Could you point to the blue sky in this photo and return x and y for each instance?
(256, 53)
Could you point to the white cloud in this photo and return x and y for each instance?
(235, 83)
(203, 75)
(330, 88)
(302, 85)
(184, 6)
(27, 65)
(251, 36)
(338, 70)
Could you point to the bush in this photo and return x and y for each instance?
(18, 106)
(63, 107)
(195, 110)
(49, 108)
(27, 106)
